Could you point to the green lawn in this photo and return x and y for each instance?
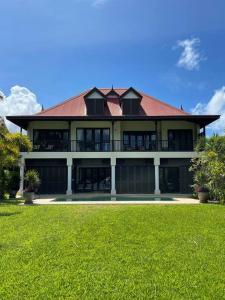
(112, 252)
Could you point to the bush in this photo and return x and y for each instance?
(209, 167)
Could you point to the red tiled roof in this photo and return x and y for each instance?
(76, 106)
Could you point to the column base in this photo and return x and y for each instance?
(69, 192)
(157, 192)
(20, 192)
(113, 192)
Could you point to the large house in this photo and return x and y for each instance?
(112, 140)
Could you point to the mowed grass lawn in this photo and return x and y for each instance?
(112, 252)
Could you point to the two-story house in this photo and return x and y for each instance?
(112, 140)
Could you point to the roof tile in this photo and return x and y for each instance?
(76, 106)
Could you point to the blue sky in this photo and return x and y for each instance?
(57, 49)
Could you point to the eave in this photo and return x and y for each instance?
(202, 120)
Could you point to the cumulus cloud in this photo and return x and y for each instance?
(215, 106)
(190, 57)
(20, 101)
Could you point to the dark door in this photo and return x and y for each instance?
(180, 140)
(139, 140)
(93, 179)
(169, 179)
(93, 139)
(135, 179)
(53, 175)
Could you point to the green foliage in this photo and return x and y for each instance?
(10, 144)
(32, 180)
(209, 167)
(112, 252)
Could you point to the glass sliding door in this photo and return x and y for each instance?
(94, 179)
(51, 140)
(139, 140)
(180, 140)
(93, 139)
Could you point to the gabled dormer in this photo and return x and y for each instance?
(95, 102)
(130, 102)
(112, 94)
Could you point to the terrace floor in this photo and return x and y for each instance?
(108, 199)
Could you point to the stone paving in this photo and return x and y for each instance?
(51, 199)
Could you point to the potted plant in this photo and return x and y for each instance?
(203, 194)
(32, 182)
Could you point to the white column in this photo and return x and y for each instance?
(69, 177)
(113, 176)
(157, 163)
(22, 164)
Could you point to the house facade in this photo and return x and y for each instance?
(112, 140)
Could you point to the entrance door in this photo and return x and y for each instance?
(94, 179)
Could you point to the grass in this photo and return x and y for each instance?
(112, 252)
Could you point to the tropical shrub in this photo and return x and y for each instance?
(209, 167)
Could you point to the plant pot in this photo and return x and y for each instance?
(203, 197)
(28, 197)
(12, 194)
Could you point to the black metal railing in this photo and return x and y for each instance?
(114, 146)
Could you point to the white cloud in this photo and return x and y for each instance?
(190, 57)
(215, 106)
(99, 3)
(20, 101)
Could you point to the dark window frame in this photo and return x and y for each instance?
(93, 145)
(145, 145)
(175, 141)
(94, 107)
(131, 106)
(44, 143)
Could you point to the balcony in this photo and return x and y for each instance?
(114, 146)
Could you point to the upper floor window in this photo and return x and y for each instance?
(131, 107)
(131, 102)
(50, 140)
(95, 102)
(93, 139)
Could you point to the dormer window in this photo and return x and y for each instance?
(95, 102)
(130, 102)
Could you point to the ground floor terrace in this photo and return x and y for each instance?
(88, 173)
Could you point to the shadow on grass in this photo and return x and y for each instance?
(8, 214)
(11, 201)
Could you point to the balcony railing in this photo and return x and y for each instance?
(115, 146)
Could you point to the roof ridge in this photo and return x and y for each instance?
(164, 103)
(61, 103)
